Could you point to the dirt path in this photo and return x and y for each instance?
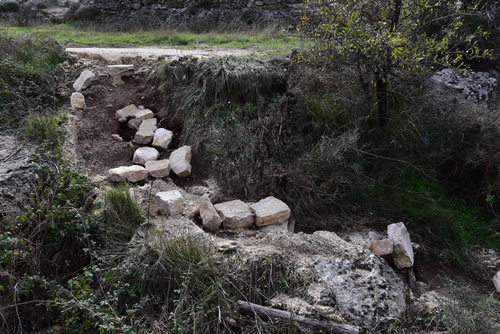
(115, 54)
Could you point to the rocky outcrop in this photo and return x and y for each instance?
(468, 85)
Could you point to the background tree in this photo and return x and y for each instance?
(381, 38)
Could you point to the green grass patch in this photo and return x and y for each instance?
(71, 35)
(46, 129)
(445, 218)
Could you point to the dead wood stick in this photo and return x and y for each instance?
(268, 312)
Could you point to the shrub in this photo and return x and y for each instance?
(9, 6)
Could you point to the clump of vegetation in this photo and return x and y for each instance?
(9, 6)
(459, 310)
(28, 72)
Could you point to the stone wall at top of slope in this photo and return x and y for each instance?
(200, 14)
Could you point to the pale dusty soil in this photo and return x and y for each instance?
(115, 54)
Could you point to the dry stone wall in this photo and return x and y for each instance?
(195, 13)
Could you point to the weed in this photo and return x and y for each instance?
(46, 129)
(121, 216)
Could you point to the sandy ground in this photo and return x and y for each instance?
(115, 54)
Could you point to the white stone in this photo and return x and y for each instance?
(121, 70)
(126, 113)
(403, 250)
(382, 247)
(270, 210)
(127, 173)
(496, 281)
(209, 216)
(162, 138)
(159, 168)
(134, 123)
(180, 161)
(146, 132)
(78, 101)
(235, 214)
(170, 202)
(143, 114)
(84, 80)
(275, 228)
(144, 154)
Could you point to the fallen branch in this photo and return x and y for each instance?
(268, 312)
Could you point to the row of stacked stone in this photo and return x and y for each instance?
(232, 215)
(146, 157)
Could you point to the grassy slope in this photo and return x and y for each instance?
(70, 35)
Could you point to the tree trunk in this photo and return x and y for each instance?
(383, 113)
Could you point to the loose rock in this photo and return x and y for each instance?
(84, 80)
(116, 137)
(162, 138)
(126, 113)
(158, 169)
(144, 154)
(496, 281)
(146, 131)
(127, 173)
(180, 161)
(403, 250)
(121, 70)
(382, 247)
(269, 211)
(143, 114)
(170, 202)
(134, 123)
(235, 214)
(78, 101)
(209, 216)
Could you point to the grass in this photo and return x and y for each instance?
(70, 35)
(45, 128)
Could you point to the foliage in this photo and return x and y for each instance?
(27, 78)
(45, 129)
(9, 6)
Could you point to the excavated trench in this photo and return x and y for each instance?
(339, 280)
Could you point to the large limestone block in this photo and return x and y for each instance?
(496, 281)
(144, 154)
(235, 214)
(382, 247)
(121, 70)
(84, 80)
(159, 168)
(127, 173)
(170, 202)
(162, 138)
(269, 211)
(180, 161)
(78, 101)
(209, 216)
(143, 114)
(126, 113)
(146, 132)
(403, 250)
